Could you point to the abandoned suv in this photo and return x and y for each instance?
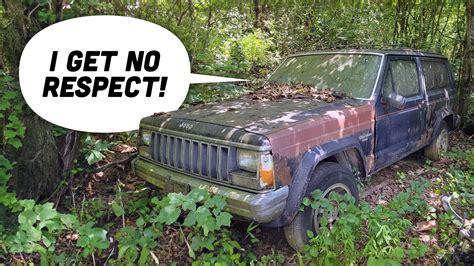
(322, 121)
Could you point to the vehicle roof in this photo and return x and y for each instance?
(375, 51)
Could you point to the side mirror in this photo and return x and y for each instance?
(396, 100)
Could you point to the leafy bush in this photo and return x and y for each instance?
(208, 239)
(378, 232)
(95, 150)
(91, 240)
(38, 228)
(136, 243)
(203, 212)
(11, 109)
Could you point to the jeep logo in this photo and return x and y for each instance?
(185, 125)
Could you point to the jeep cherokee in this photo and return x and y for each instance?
(264, 157)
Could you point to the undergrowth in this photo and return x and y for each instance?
(373, 236)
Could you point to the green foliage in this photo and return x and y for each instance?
(459, 183)
(204, 214)
(380, 231)
(94, 210)
(135, 243)
(58, 131)
(11, 109)
(201, 213)
(273, 259)
(94, 150)
(92, 239)
(252, 226)
(6, 198)
(38, 227)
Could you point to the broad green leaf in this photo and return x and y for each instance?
(169, 214)
(118, 210)
(190, 220)
(46, 211)
(223, 219)
(69, 220)
(4, 104)
(33, 234)
(10, 95)
(15, 142)
(9, 133)
(102, 244)
(140, 222)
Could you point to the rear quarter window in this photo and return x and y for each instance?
(436, 73)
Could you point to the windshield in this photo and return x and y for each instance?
(352, 74)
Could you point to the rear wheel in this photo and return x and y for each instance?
(439, 146)
(327, 177)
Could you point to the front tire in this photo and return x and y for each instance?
(327, 177)
(439, 146)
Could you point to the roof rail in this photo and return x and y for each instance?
(386, 47)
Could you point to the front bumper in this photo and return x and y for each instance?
(262, 208)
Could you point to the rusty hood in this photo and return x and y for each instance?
(257, 122)
(263, 117)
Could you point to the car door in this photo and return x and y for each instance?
(400, 111)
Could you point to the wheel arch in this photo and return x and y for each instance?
(346, 151)
(444, 115)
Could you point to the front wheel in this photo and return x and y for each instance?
(439, 146)
(327, 177)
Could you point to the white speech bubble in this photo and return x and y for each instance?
(105, 34)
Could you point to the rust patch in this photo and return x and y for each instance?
(282, 169)
(331, 125)
(370, 160)
(425, 137)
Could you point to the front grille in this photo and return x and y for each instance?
(206, 160)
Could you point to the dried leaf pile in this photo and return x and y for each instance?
(275, 92)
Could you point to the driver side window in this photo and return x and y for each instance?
(402, 78)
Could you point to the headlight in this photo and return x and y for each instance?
(146, 137)
(255, 170)
(248, 160)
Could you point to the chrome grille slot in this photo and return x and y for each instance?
(171, 150)
(194, 157)
(206, 160)
(163, 149)
(187, 155)
(203, 159)
(223, 164)
(179, 153)
(213, 163)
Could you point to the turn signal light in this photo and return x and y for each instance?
(266, 171)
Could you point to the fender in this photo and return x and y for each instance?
(440, 115)
(305, 169)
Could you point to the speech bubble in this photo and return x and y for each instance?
(104, 73)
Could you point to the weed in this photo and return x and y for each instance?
(377, 232)
(95, 150)
(91, 240)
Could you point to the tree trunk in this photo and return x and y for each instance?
(466, 83)
(38, 162)
(38, 170)
(256, 10)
